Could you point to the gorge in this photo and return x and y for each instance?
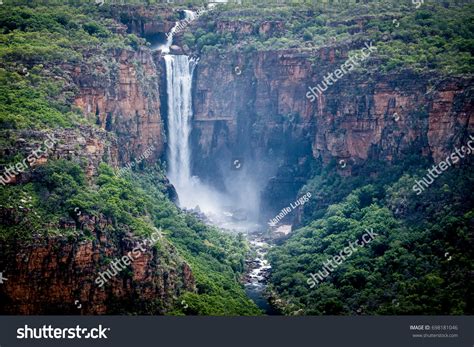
(218, 208)
(222, 101)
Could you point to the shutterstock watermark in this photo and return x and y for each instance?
(120, 264)
(14, 170)
(344, 69)
(338, 259)
(185, 22)
(443, 165)
(61, 333)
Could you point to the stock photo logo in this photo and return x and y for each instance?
(332, 77)
(432, 174)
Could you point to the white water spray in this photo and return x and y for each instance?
(220, 208)
(179, 70)
(191, 192)
(179, 74)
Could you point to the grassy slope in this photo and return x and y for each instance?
(133, 204)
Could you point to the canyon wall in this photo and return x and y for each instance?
(256, 103)
(84, 145)
(48, 274)
(55, 275)
(119, 91)
(145, 20)
(249, 107)
(121, 94)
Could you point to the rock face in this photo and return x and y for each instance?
(122, 96)
(247, 106)
(242, 28)
(145, 20)
(56, 276)
(118, 91)
(83, 144)
(391, 117)
(256, 103)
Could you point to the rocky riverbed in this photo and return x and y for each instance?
(258, 271)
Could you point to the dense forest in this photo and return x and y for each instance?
(420, 262)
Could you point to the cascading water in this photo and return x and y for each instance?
(223, 209)
(189, 16)
(179, 73)
(191, 191)
(179, 70)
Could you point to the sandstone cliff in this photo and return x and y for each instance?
(55, 275)
(353, 118)
(84, 144)
(121, 94)
(256, 102)
(145, 20)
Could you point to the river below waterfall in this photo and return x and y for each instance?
(258, 268)
(232, 212)
(256, 277)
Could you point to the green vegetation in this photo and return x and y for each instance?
(39, 47)
(32, 101)
(405, 270)
(433, 37)
(134, 204)
(36, 92)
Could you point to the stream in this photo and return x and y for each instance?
(256, 278)
(232, 212)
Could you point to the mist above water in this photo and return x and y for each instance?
(237, 208)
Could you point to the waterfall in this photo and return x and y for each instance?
(191, 192)
(179, 71)
(221, 207)
(189, 15)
